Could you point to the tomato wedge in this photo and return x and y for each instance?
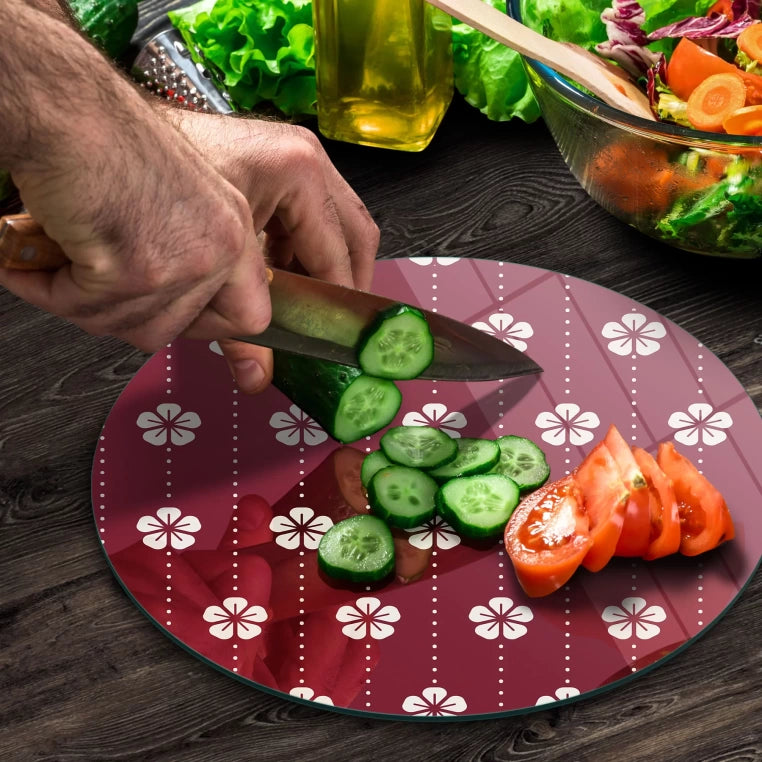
(548, 536)
(636, 529)
(704, 517)
(605, 498)
(664, 519)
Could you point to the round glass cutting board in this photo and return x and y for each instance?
(210, 506)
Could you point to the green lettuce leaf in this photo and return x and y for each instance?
(490, 76)
(260, 50)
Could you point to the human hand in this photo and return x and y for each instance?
(160, 243)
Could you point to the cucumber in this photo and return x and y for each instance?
(359, 549)
(475, 456)
(397, 345)
(346, 402)
(403, 497)
(523, 461)
(110, 24)
(373, 461)
(418, 446)
(478, 506)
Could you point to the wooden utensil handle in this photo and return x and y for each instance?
(25, 246)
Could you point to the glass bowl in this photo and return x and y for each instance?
(696, 191)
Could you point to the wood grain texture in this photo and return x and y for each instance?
(85, 676)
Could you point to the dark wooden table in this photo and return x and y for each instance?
(85, 676)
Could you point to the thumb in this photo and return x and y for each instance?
(251, 365)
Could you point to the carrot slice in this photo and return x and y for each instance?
(750, 41)
(714, 99)
(744, 121)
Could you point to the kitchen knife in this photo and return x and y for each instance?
(313, 317)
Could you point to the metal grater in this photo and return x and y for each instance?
(165, 67)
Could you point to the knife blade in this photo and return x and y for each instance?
(313, 317)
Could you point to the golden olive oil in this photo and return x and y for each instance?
(384, 71)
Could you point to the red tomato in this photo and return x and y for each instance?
(704, 518)
(605, 498)
(548, 536)
(664, 536)
(636, 529)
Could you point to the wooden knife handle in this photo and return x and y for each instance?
(25, 246)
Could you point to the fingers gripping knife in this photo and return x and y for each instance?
(165, 67)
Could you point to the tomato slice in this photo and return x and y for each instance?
(664, 519)
(605, 498)
(636, 529)
(704, 518)
(548, 536)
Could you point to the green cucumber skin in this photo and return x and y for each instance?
(387, 444)
(540, 473)
(401, 522)
(352, 572)
(317, 386)
(370, 332)
(458, 524)
(441, 474)
(109, 23)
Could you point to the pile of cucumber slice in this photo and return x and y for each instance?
(473, 484)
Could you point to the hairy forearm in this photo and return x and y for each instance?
(64, 95)
(58, 9)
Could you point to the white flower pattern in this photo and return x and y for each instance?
(235, 618)
(303, 692)
(634, 335)
(437, 415)
(168, 423)
(168, 527)
(500, 617)
(434, 702)
(368, 619)
(560, 694)
(567, 420)
(700, 424)
(502, 327)
(634, 618)
(426, 261)
(296, 426)
(301, 528)
(436, 533)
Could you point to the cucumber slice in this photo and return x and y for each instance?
(373, 461)
(359, 549)
(478, 506)
(398, 344)
(348, 404)
(475, 456)
(402, 496)
(523, 461)
(418, 446)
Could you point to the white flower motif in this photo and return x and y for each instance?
(567, 418)
(499, 617)
(168, 527)
(215, 347)
(434, 702)
(435, 533)
(295, 426)
(303, 692)
(700, 422)
(436, 414)
(634, 619)
(235, 618)
(168, 422)
(634, 335)
(502, 327)
(561, 694)
(368, 619)
(425, 261)
(300, 528)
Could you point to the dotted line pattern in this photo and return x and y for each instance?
(634, 391)
(567, 638)
(234, 495)
(301, 579)
(102, 486)
(700, 382)
(434, 614)
(501, 566)
(168, 494)
(567, 367)
(700, 596)
(634, 588)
